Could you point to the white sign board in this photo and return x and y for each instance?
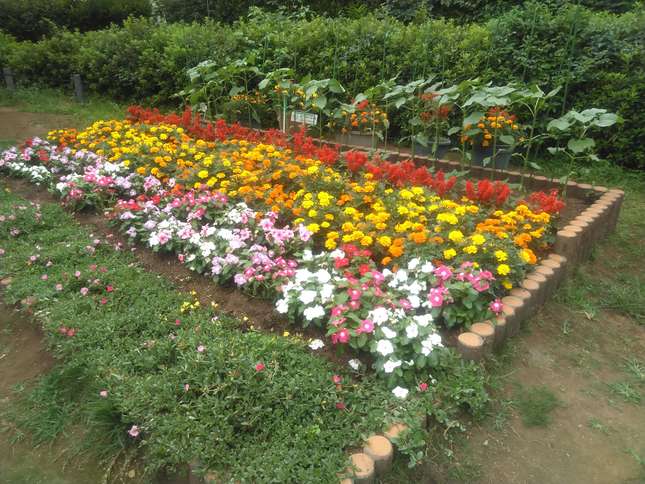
(303, 117)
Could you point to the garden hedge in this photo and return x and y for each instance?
(599, 56)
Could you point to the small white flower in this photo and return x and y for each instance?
(316, 344)
(414, 300)
(412, 331)
(400, 392)
(413, 263)
(378, 315)
(391, 365)
(323, 276)
(314, 312)
(389, 334)
(326, 292)
(354, 364)
(282, 306)
(307, 296)
(384, 347)
(427, 268)
(423, 319)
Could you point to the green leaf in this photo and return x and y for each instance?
(454, 130)
(507, 139)
(605, 120)
(560, 124)
(581, 145)
(472, 118)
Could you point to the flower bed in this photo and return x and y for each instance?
(380, 255)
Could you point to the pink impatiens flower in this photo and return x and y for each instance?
(423, 387)
(435, 297)
(443, 272)
(496, 306)
(201, 348)
(103, 393)
(259, 367)
(337, 379)
(367, 326)
(134, 431)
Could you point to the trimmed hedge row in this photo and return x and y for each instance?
(601, 60)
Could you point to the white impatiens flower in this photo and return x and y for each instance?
(323, 276)
(314, 312)
(412, 331)
(427, 268)
(307, 296)
(326, 292)
(389, 334)
(378, 315)
(391, 365)
(413, 263)
(400, 392)
(316, 344)
(282, 306)
(428, 344)
(414, 300)
(384, 347)
(423, 319)
(354, 363)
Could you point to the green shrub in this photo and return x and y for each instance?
(33, 19)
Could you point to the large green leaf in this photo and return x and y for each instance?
(581, 145)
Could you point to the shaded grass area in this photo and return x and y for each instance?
(280, 424)
(55, 101)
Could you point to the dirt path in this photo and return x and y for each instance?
(18, 126)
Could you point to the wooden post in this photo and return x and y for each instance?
(78, 87)
(8, 78)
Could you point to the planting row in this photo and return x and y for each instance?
(381, 262)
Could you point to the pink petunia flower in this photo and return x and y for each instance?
(84, 291)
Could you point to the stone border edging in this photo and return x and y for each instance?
(573, 245)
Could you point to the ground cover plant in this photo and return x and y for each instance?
(144, 369)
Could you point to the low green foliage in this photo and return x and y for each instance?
(535, 405)
(627, 391)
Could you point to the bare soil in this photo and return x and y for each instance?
(17, 125)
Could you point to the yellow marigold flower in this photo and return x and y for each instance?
(456, 236)
(449, 254)
(203, 174)
(470, 249)
(385, 240)
(528, 256)
(503, 269)
(507, 284)
(501, 256)
(478, 239)
(312, 213)
(324, 224)
(307, 204)
(366, 241)
(330, 244)
(314, 228)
